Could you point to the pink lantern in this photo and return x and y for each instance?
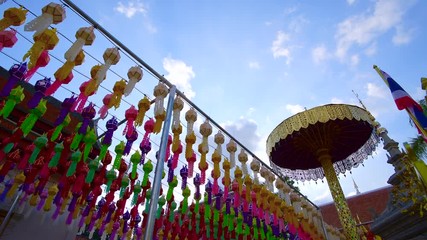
(7, 38)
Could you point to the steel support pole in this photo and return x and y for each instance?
(157, 182)
(9, 213)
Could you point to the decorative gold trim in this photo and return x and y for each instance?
(323, 114)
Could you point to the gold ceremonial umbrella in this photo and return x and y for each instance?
(323, 142)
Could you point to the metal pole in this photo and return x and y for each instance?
(155, 190)
(165, 81)
(9, 213)
(323, 225)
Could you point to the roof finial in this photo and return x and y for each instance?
(355, 186)
(360, 101)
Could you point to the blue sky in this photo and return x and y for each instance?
(251, 64)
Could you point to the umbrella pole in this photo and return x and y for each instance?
(344, 214)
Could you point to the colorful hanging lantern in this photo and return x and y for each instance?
(243, 158)
(40, 89)
(135, 75)
(226, 180)
(16, 74)
(39, 143)
(13, 17)
(184, 175)
(16, 96)
(216, 172)
(111, 175)
(52, 13)
(119, 149)
(232, 148)
(205, 130)
(89, 140)
(64, 118)
(135, 159)
(160, 92)
(104, 109)
(118, 91)
(88, 114)
(130, 140)
(190, 138)
(145, 145)
(75, 159)
(147, 168)
(84, 36)
(130, 116)
(255, 166)
(111, 126)
(172, 184)
(178, 105)
(84, 94)
(219, 140)
(7, 38)
(111, 57)
(33, 116)
(38, 53)
(143, 107)
(64, 74)
(59, 147)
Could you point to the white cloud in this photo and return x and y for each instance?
(402, 36)
(319, 54)
(245, 131)
(350, 2)
(278, 48)
(374, 90)
(371, 49)
(268, 23)
(254, 65)
(131, 8)
(180, 74)
(354, 60)
(250, 111)
(364, 29)
(290, 10)
(297, 23)
(294, 109)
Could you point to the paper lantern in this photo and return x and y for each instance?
(16, 73)
(84, 36)
(118, 91)
(39, 92)
(13, 17)
(119, 149)
(243, 158)
(130, 115)
(32, 118)
(84, 93)
(64, 74)
(130, 140)
(7, 38)
(52, 13)
(205, 130)
(16, 96)
(135, 75)
(160, 92)
(88, 114)
(46, 40)
(143, 107)
(111, 57)
(232, 148)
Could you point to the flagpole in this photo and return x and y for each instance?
(381, 75)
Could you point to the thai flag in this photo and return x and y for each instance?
(403, 100)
